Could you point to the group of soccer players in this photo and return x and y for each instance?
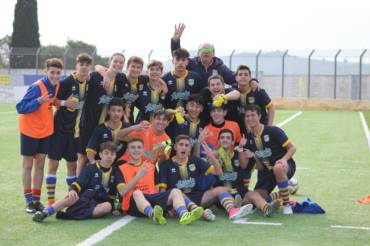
(153, 145)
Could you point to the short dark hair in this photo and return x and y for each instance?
(160, 112)
(135, 59)
(226, 130)
(54, 62)
(116, 101)
(108, 146)
(181, 137)
(195, 98)
(155, 63)
(180, 53)
(253, 108)
(135, 140)
(84, 58)
(243, 67)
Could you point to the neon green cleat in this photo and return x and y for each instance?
(189, 217)
(158, 215)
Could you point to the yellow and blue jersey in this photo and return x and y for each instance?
(184, 177)
(189, 128)
(269, 145)
(180, 88)
(148, 102)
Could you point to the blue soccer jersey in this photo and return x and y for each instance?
(149, 101)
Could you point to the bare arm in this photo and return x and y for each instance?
(130, 185)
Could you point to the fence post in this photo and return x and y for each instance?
(335, 72)
(37, 61)
(283, 73)
(10, 60)
(230, 59)
(257, 58)
(149, 55)
(360, 74)
(65, 60)
(309, 74)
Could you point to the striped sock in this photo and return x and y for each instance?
(70, 180)
(28, 195)
(51, 181)
(148, 211)
(181, 210)
(36, 193)
(226, 200)
(190, 205)
(284, 192)
(273, 196)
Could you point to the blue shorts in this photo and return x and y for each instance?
(85, 134)
(32, 146)
(160, 198)
(63, 146)
(266, 179)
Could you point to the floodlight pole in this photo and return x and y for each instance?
(309, 74)
(360, 74)
(335, 72)
(257, 60)
(283, 73)
(230, 59)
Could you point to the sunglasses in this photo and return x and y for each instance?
(209, 50)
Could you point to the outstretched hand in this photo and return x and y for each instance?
(179, 29)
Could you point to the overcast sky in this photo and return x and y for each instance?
(113, 25)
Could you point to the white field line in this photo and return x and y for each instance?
(289, 119)
(245, 222)
(366, 128)
(106, 231)
(350, 227)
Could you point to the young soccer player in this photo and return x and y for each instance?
(152, 96)
(218, 123)
(216, 94)
(141, 197)
(157, 144)
(252, 96)
(64, 141)
(36, 124)
(181, 83)
(272, 151)
(183, 170)
(108, 131)
(92, 195)
(96, 103)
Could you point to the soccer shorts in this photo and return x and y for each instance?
(160, 199)
(32, 146)
(63, 146)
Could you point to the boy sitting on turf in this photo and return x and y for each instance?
(92, 195)
(140, 196)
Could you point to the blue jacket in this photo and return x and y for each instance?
(29, 102)
(217, 67)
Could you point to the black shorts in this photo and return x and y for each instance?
(160, 198)
(85, 134)
(196, 196)
(63, 146)
(266, 179)
(32, 146)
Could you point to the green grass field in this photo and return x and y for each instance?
(333, 169)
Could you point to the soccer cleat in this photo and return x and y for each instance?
(38, 206)
(30, 208)
(158, 215)
(40, 216)
(287, 209)
(189, 217)
(208, 215)
(237, 213)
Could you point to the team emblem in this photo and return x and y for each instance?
(170, 82)
(145, 93)
(173, 170)
(266, 138)
(236, 163)
(192, 167)
(141, 87)
(191, 82)
(105, 135)
(214, 72)
(251, 100)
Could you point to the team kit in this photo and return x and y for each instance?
(154, 145)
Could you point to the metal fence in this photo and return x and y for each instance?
(327, 74)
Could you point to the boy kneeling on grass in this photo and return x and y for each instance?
(93, 194)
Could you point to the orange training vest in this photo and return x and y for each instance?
(39, 124)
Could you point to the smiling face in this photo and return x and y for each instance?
(251, 118)
(135, 150)
(107, 158)
(180, 64)
(134, 69)
(206, 53)
(83, 69)
(243, 77)
(216, 86)
(218, 115)
(154, 73)
(116, 63)
(226, 140)
(115, 113)
(194, 109)
(183, 148)
(159, 123)
(54, 74)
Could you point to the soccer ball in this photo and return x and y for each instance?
(293, 186)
